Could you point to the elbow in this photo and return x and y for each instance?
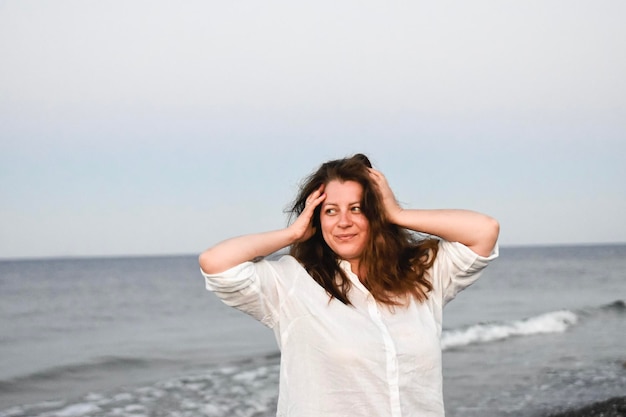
(486, 237)
(207, 264)
(492, 231)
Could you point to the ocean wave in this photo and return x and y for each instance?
(618, 306)
(107, 363)
(553, 322)
(245, 388)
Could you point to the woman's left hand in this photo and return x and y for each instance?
(477, 231)
(392, 208)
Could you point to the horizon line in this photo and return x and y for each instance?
(186, 254)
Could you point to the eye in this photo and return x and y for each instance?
(330, 211)
(356, 209)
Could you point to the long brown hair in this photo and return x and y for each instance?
(394, 260)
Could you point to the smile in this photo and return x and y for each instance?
(345, 237)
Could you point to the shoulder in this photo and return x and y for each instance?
(283, 260)
(282, 265)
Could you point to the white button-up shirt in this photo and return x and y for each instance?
(363, 360)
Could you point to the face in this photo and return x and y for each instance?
(344, 227)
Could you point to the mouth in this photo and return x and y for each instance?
(345, 237)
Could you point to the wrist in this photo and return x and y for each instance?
(293, 234)
(395, 216)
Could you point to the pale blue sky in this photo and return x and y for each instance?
(156, 127)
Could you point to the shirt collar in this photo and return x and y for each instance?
(345, 265)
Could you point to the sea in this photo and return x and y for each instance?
(543, 330)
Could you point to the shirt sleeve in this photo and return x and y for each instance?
(251, 287)
(457, 267)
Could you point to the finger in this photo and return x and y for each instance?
(316, 201)
(314, 195)
(376, 175)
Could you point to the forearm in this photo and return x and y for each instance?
(232, 252)
(477, 231)
(240, 249)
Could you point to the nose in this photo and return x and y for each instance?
(345, 220)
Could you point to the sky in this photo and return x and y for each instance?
(155, 127)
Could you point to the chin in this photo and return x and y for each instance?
(348, 256)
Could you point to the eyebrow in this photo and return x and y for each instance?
(336, 204)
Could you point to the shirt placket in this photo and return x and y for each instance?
(391, 358)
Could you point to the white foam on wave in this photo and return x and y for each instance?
(77, 410)
(553, 322)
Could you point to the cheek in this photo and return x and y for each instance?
(325, 225)
(364, 225)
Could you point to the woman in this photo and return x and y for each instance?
(356, 307)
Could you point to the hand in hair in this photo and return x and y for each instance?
(234, 251)
(477, 231)
(302, 227)
(392, 208)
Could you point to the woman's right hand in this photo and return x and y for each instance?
(234, 251)
(302, 228)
